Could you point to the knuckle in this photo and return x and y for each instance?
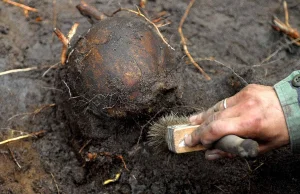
(251, 103)
(205, 142)
(248, 91)
(214, 129)
(198, 117)
(253, 122)
(219, 115)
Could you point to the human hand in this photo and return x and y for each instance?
(255, 113)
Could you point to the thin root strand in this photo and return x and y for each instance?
(184, 43)
(143, 16)
(22, 137)
(25, 7)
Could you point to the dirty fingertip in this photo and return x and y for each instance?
(212, 155)
(195, 118)
(188, 140)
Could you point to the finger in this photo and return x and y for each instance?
(232, 126)
(220, 106)
(265, 147)
(208, 133)
(231, 112)
(195, 138)
(217, 154)
(227, 103)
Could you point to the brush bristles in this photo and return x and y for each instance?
(157, 132)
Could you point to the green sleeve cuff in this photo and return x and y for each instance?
(289, 97)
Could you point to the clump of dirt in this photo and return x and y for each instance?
(236, 34)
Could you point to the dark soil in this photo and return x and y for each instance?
(237, 33)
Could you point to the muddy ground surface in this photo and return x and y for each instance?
(236, 33)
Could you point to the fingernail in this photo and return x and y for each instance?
(193, 118)
(188, 139)
(212, 156)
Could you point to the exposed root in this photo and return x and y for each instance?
(160, 16)
(72, 32)
(35, 112)
(69, 90)
(268, 58)
(123, 161)
(163, 24)
(87, 143)
(22, 137)
(54, 17)
(184, 43)
(90, 11)
(148, 123)
(143, 3)
(220, 63)
(12, 71)
(51, 67)
(143, 16)
(26, 12)
(65, 41)
(286, 28)
(14, 158)
(25, 7)
(56, 185)
(18, 70)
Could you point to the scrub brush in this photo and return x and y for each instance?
(169, 131)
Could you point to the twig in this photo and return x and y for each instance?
(285, 28)
(183, 41)
(143, 16)
(17, 115)
(123, 161)
(69, 90)
(220, 63)
(26, 12)
(56, 185)
(14, 158)
(51, 67)
(260, 165)
(276, 52)
(72, 32)
(65, 43)
(22, 70)
(22, 137)
(143, 3)
(89, 11)
(81, 149)
(286, 14)
(54, 15)
(17, 70)
(163, 24)
(218, 187)
(35, 112)
(21, 5)
(148, 122)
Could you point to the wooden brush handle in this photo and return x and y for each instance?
(246, 148)
(230, 143)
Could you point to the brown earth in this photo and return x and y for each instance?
(237, 33)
